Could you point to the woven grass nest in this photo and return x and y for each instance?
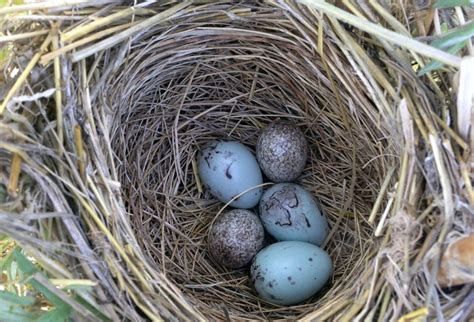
(108, 187)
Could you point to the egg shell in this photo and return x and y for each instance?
(235, 237)
(228, 168)
(282, 151)
(289, 272)
(289, 212)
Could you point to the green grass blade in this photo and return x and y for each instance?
(53, 298)
(24, 264)
(383, 33)
(73, 287)
(17, 299)
(12, 312)
(455, 36)
(59, 314)
(6, 262)
(28, 268)
(436, 64)
(441, 4)
(92, 309)
(64, 304)
(17, 317)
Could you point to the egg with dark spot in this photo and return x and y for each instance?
(282, 151)
(227, 169)
(299, 281)
(235, 237)
(289, 212)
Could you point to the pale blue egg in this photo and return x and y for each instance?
(289, 272)
(289, 212)
(228, 168)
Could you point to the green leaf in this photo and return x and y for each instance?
(18, 317)
(13, 272)
(12, 312)
(78, 287)
(59, 314)
(28, 268)
(17, 299)
(53, 298)
(444, 27)
(24, 264)
(455, 36)
(433, 65)
(4, 238)
(440, 4)
(6, 262)
(91, 308)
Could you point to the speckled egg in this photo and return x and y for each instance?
(289, 272)
(235, 237)
(282, 151)
(228, 168)
(289, 212)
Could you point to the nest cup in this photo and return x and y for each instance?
(109, 165)
(209, 76)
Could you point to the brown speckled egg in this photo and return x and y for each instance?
(235, 237)
(282, 151)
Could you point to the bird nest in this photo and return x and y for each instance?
(118, 168)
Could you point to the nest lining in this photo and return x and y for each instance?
(191, 83)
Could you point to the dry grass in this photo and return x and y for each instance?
(111, 154)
